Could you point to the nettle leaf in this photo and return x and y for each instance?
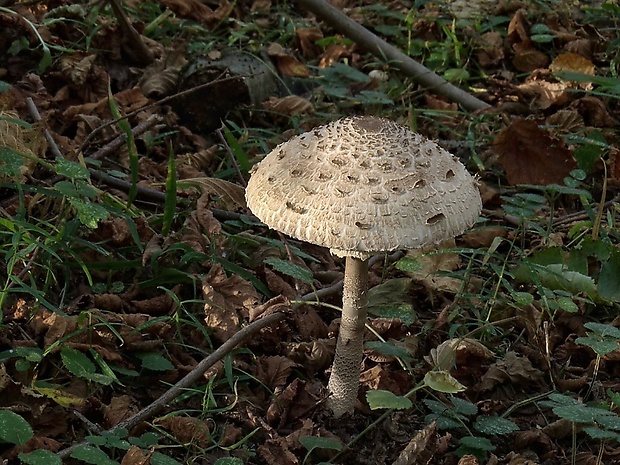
(89, 213)
(290, 269)
(463, 406)
(13, 428)
(76, 362)
(603, 330)
(476, 443)
(40, 457)
(385, 399)
(601, 348)
(495, 426)
(576, 413)
(442, 381)
(71, 169)
(600, 434)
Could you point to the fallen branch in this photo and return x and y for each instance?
(381, 49)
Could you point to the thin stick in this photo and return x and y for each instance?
(381, 49)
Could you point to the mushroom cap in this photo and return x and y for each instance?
(362, 185)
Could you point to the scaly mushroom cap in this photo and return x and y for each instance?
(363, 185)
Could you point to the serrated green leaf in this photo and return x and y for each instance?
(608, 282)
(442, 381)
(522, 298)
(89, 213)
(576, 413)
(290, 269)
(13, 428)
(314, 442)
(11, 162)
(385, 399)
(494, 426)
(600, 434)
(156, 362)
(603, 330)
(464, 406)
(71, 169)
(609, 421)
(474, 442)
(76, 362)
(601, 348)
(40, 457)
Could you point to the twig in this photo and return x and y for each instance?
(381, 49)
(119, 141)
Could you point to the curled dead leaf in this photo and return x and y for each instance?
(455, 353)
(289, 105)
(531, 155)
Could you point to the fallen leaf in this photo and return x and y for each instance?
(187, 430)
(136, 456)
(511, 369)
(289, 105)
(273, 371)
(531, 155)
(421, 448)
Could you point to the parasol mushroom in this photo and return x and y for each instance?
(359, 186)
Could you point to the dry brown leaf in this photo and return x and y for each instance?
(594, 113)
(544, 93)
(431, 263)
(228, 299)
(513, 369)
(531, 155)
(468, 460)
(421, 449)
(274, 371)
(529, 59)
(136, 456)
(191, 9)
(289, 105)
(333, 53)
(231, 194)
(158, 305)
(160, 78)
(491, 49)
(187, 430)
(566, 121)
(572, 62)
(457, 353)
(518, 30)
(119, 409)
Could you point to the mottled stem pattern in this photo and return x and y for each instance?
(345, 377)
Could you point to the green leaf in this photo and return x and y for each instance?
(290, 269)
(495, 426)
(314, 442)
(4, 86)
(567, 304)
(522, 299)
(385, 399)
(601, 348)
(11, 162)
(92, 455)
(389, 300)
(473, 442)
(40, 457)
(464, 406)
(89, 213)
(603, 330)
(228, 461)
(76, 362)
(13, 428)
(160, 459)
(409, 264)
(600, 434)
(442, 381)
(608, 282)
(576, 413)
(156, 362)
(71, 169)
(389, 348)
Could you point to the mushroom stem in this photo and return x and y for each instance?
(345, 377)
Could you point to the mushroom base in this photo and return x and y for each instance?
(344, 380)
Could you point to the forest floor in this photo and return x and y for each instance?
(130, 261)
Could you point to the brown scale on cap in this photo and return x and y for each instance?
(363, 185)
